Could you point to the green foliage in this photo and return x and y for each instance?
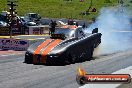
(59, 8)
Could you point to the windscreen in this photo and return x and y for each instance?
(66, 31)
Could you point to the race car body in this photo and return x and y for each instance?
(67, 45)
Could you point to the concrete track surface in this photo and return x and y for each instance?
(16, 74)
(112, 55)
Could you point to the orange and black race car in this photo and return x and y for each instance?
(68, 44)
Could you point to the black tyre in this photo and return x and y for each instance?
(90, 53)
(28, 61)
(70, 58)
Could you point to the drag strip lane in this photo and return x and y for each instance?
(20, 75)
(11, 57)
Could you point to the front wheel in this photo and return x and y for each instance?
(70, 59)
(28, 61)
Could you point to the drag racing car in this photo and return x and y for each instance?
(69, 44)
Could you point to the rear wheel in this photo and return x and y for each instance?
(89, 54)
